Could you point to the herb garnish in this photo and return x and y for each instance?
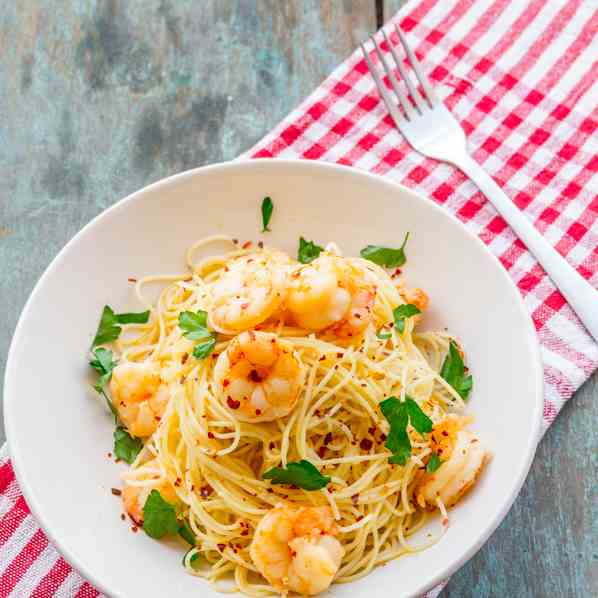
(195, 328)
(453, 371)
(301, 473)
(103, 363)
(160, 518)
(383, 336)
(385, 256)
(402, 312)
(125, 446)
(399, 414)
(308, 251)
(109, 329)
(267, 209)
(434, 463)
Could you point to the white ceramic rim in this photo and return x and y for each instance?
(36, 505)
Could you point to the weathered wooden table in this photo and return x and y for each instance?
(99, 98)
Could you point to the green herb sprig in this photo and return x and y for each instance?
(267, 209)
(399, 414)
(453, 371)
(386, 256)
(302, 474)
(109, 328)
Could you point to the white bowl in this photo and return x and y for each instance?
(59, 433)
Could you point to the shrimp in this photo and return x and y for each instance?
(139, 396)
(295, 548)
(134, 497)
(462, 459)
(260, 376)
(331, 293)
(415, 295)
(251, 289)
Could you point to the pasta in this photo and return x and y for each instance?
(226, 401)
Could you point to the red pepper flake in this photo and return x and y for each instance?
(245, 532)
(359, 518)
(445, 522)
(221, 547)
(109, 455)
(131, 279)
(269, 490)
(246, 245)
(184, 358)
(355, 499)
(210, 435)
(260, 244)
(236, 241)
(444, 433)
(474, 441)
(271, 446)
(205, 491)
(134, 529)
(398, 272)
(115, 491)
(225, 382)
(178, 482)
(255, 376)
(382, 437)
(122, 516)
(328, 438)
(372, 430)
(323, 358)
(365, 444)
(232, 403)
(258, 411)
(322, 452)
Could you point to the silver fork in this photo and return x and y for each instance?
(433, 131)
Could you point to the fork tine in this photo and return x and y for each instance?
(393, 81)
(417, 97)
(431, 96)
(391, 107)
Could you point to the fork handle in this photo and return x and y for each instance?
(579, 293)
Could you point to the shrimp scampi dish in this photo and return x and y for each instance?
(290, 421)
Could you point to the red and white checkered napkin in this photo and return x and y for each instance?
(522, 78)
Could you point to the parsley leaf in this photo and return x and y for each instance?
(267, 209)
(195, 328)
(187, 534)
(308, 251)
(109, 329)
(398, 440)
(453, 371)
(419, 420)
(159, 516)
(399, 414)
(383, 336)
(125, 446)
(434, 463)
(202, 350)
(301, 473)
(385, 256)
(194, 325)
(103, 363)
(402, 312)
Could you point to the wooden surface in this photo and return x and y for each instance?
(99, 98)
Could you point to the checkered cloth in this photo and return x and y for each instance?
(521, 77)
